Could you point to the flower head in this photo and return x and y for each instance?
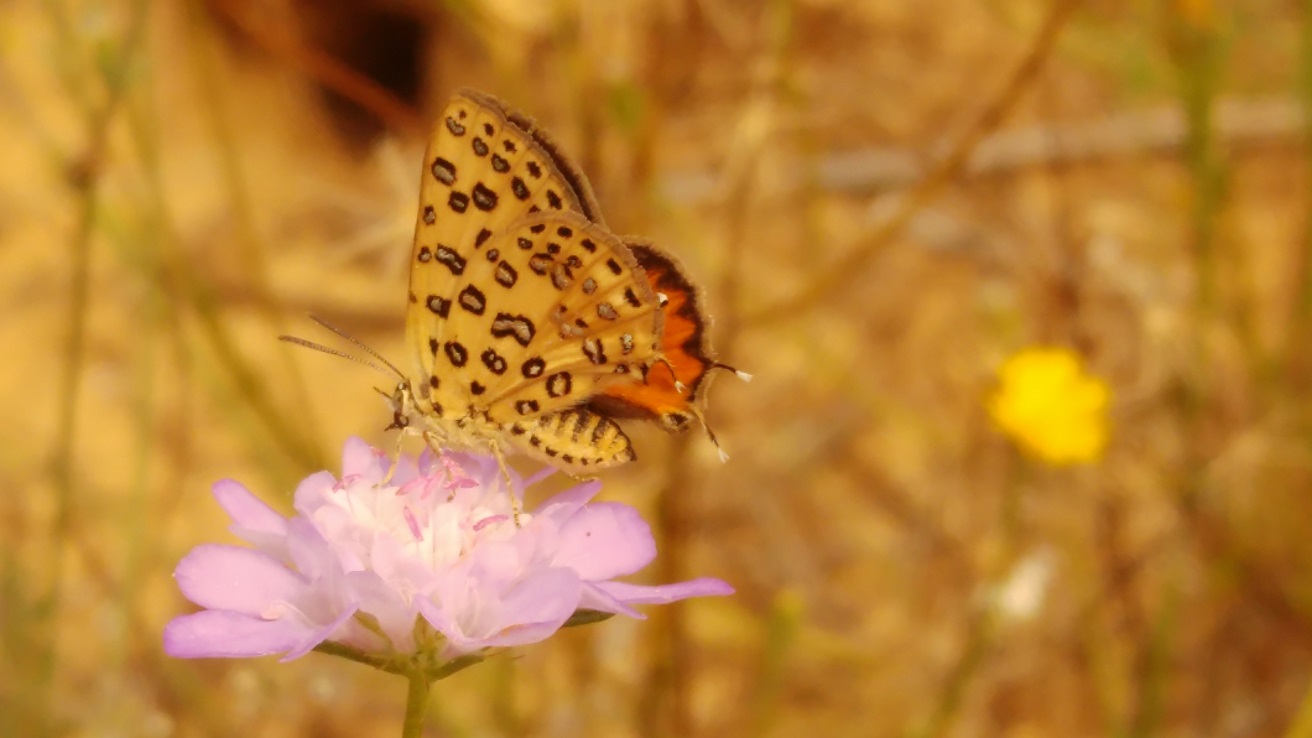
(1048, 404)
(429, 562)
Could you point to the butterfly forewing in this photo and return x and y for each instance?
(482, 171)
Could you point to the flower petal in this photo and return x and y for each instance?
(246, 510)
(395, 616)
(537, 607)
(313, 492)
(315, 556)
(561, 506)
(604, 540)
(233, 578)
(477, 618)
(318, 635)
(222, 634)
(594, 598)
(361, 459)
(637, 594)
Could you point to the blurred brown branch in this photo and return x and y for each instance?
(322, 68)
(1162, 130)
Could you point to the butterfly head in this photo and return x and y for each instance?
(402, 402)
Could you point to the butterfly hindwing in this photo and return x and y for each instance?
(548, 308)
(685, 345)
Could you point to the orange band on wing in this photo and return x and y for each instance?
(684, 345)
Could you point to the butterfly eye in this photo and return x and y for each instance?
(400, 421)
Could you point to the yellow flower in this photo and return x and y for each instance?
(1051, 407)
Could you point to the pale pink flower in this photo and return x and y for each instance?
(363, 562)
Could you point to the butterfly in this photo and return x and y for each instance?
(530, 325)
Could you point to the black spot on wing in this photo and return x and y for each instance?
(560, 384)
(456, 352)
(516, 326)
(540, 263)
(458, 201)
(444, 171)
(484, 198)
(494, 362)
(595, 352)
(561, 279)
(453, 261)
(440, 306)
(505, 275)
(471, 298)
(533, 368)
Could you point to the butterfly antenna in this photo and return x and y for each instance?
(741, 374)
(330, 351)
(360, 344)
(724, 455)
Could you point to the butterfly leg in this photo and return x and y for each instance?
(505, 476)
(396, 459)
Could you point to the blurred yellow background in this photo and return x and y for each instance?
(883, 199)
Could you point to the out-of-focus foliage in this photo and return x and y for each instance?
(884, 199)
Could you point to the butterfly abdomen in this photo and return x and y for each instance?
(576, 440)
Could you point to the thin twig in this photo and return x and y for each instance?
(1240, 123)
(334, 75)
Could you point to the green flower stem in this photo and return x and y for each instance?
(416, 704)
(383, 664)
